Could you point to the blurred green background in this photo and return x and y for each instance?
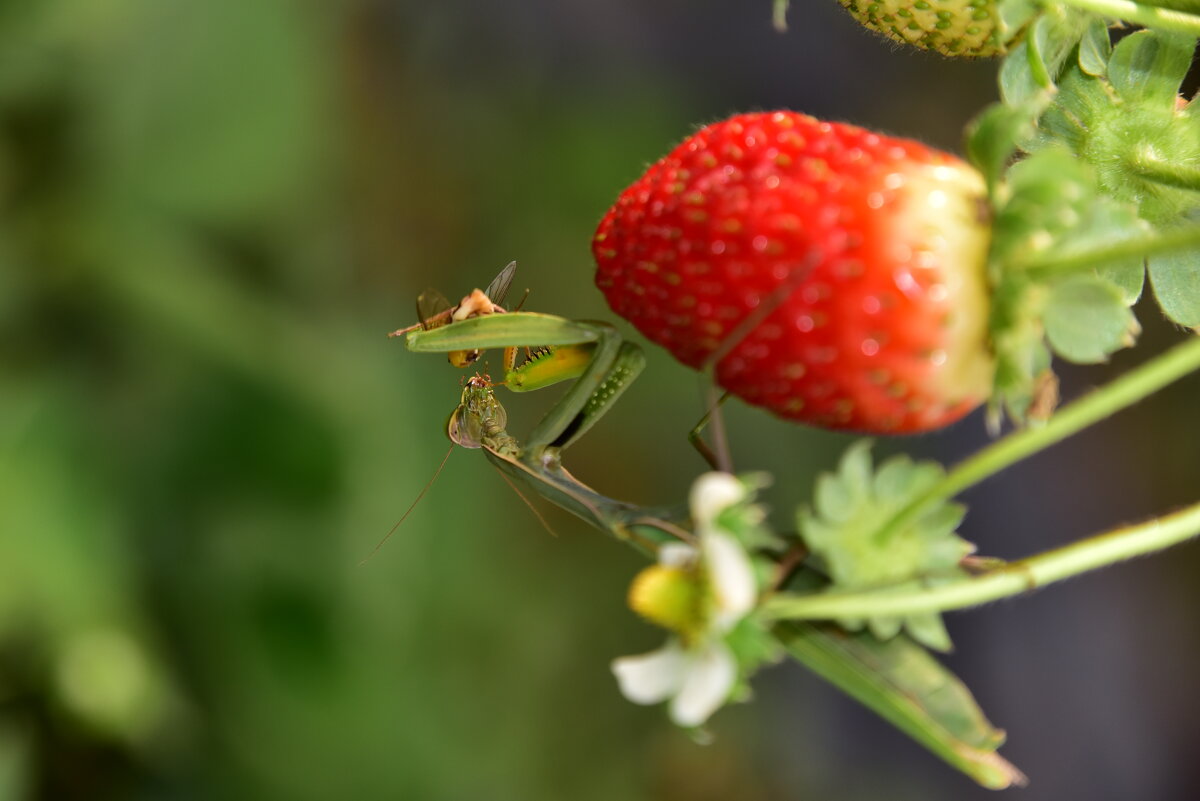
(211, 215)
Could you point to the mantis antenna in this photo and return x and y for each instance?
(718, 456)
(403, 517)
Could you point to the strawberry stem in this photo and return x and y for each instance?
(1148, 14)
(1152, 168)
(1155, 243)
(1013, 578)
(1033, 572)
(1091, 408)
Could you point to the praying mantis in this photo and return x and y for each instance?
(602, 365)
(897, 678)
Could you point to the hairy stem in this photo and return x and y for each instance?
(1168, 173)
(1011, 579)
(1124, 391)
(1173, 240)
(1152, 16)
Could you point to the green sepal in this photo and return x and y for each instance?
(1013, 15)
(746, 520)
(753, 645)
(1018, 80)
(1018, 340)
(1035, 63)
(849, 535)
(1052, 211)
(993, 136)
(1176, 281)
(1086, 319)
(1147, 67)
(1046, 197)
(1125, 123)
(930, 629)
(1095, 47)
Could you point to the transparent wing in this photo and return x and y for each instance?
(433, 310)
(498, 289)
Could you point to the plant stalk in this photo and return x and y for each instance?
(1014, 578)
(1127, 390)
(1167, 173)
(1172, 240)
(1151, 16)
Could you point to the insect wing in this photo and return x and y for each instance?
(498, 289)
(433, 310)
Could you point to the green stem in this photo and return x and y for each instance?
(1152, 168)
(1172, 240)
(1116, 395)
(1166, 19)
(1012, 579)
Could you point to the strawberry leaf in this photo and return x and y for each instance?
(993, 136)
(1035, 63)
(1086, 319)
(1095, 48)
(851, 537)
(904, 684)
(1148, 66)
(1103, 224)
(1018, 80)
(1014, 15)
(1176, 281)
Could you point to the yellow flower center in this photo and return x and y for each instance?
(671, 597)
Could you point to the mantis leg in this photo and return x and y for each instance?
(718, 460)
(613, 367)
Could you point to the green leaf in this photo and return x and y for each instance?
(1176, 281)
(930, 631)
(1148, 66)
(1095, 48)
(1103, 225)
(902, 683)
(1051, 41)
(1018, 79)
(851, 536)
(1086, 319)
(1015, 15)
(855, 469)
(994, 136)
(1129, 277)
(1048, 195)
(1039, 42)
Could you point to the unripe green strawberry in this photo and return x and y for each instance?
(951, 27)
(843, 271)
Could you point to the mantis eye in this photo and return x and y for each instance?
(462, 431)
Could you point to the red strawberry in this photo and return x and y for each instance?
(869, 252)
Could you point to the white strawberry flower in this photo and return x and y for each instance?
(700, 593)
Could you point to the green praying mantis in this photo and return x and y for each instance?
(898, 678)
(592, 354)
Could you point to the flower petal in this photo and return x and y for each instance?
(711, 494)
(710, 676)
(734, 586)
(653, 677)
(676, 554)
